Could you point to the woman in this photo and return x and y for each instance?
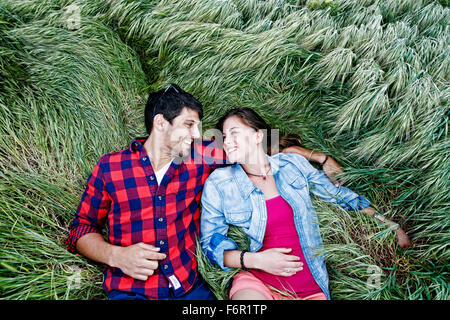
(268, 197)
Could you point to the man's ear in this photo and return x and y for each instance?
(159, 122)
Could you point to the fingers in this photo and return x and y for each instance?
(403, 239)
(145, 267)
(287, 257)
(148, 264)
(283, 250)
(338, 183)
(290, 271)
(141, 260)
(151, 252)
(291, 257)
(147, 246)
(291, 266)
(139, 277)
(153, 255)
(143, 274)
(294, 266)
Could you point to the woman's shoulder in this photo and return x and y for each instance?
(288, 158)
(221, 175)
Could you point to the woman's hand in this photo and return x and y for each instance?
(403, 239)
(278, 261)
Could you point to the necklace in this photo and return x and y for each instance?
(264, 176)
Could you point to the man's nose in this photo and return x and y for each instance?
(195, 132)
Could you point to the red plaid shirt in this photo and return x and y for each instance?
(122, 192)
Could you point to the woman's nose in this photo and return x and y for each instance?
(227, 140)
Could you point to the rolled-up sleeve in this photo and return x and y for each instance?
(213, 227)
(322, 187)
(92, 211)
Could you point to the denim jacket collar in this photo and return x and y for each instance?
(244, 183)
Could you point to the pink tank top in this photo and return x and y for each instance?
(281, 233)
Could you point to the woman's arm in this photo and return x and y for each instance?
(276, 261)
(402, 238)
(323, 188)
(213, 226)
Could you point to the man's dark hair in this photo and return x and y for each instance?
(169, 102)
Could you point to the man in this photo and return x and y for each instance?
(148, 198)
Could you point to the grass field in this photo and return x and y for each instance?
(366, 81)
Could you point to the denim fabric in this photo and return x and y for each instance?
(230, 198)
(199, 291)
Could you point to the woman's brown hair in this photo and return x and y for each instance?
(255, 121)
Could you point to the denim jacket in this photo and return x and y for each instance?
(230, 198)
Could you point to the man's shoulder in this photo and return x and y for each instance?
(115, 157)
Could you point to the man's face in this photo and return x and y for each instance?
(180, 134)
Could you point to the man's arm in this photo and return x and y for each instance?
(330, 166)
(138, 261)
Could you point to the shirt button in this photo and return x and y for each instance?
(166, 267)
(161, 242)
(144, 159)
(152, 178)
(159, 198)
(160, 219)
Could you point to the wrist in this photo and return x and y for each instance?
(318, 157)
(383, 219)
(113, 256)
(251, 260)
(395, 226)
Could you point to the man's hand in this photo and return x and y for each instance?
(138, 261)
(332, 168)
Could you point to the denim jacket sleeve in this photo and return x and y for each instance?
(322, 187)
(214, 227)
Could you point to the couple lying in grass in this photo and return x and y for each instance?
(148, 197)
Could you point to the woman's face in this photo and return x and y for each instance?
(239, 140)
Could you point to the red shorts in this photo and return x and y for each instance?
(246, 280)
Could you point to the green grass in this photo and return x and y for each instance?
(365, 81)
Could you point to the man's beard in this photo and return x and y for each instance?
(182, 154)
(179, 149)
